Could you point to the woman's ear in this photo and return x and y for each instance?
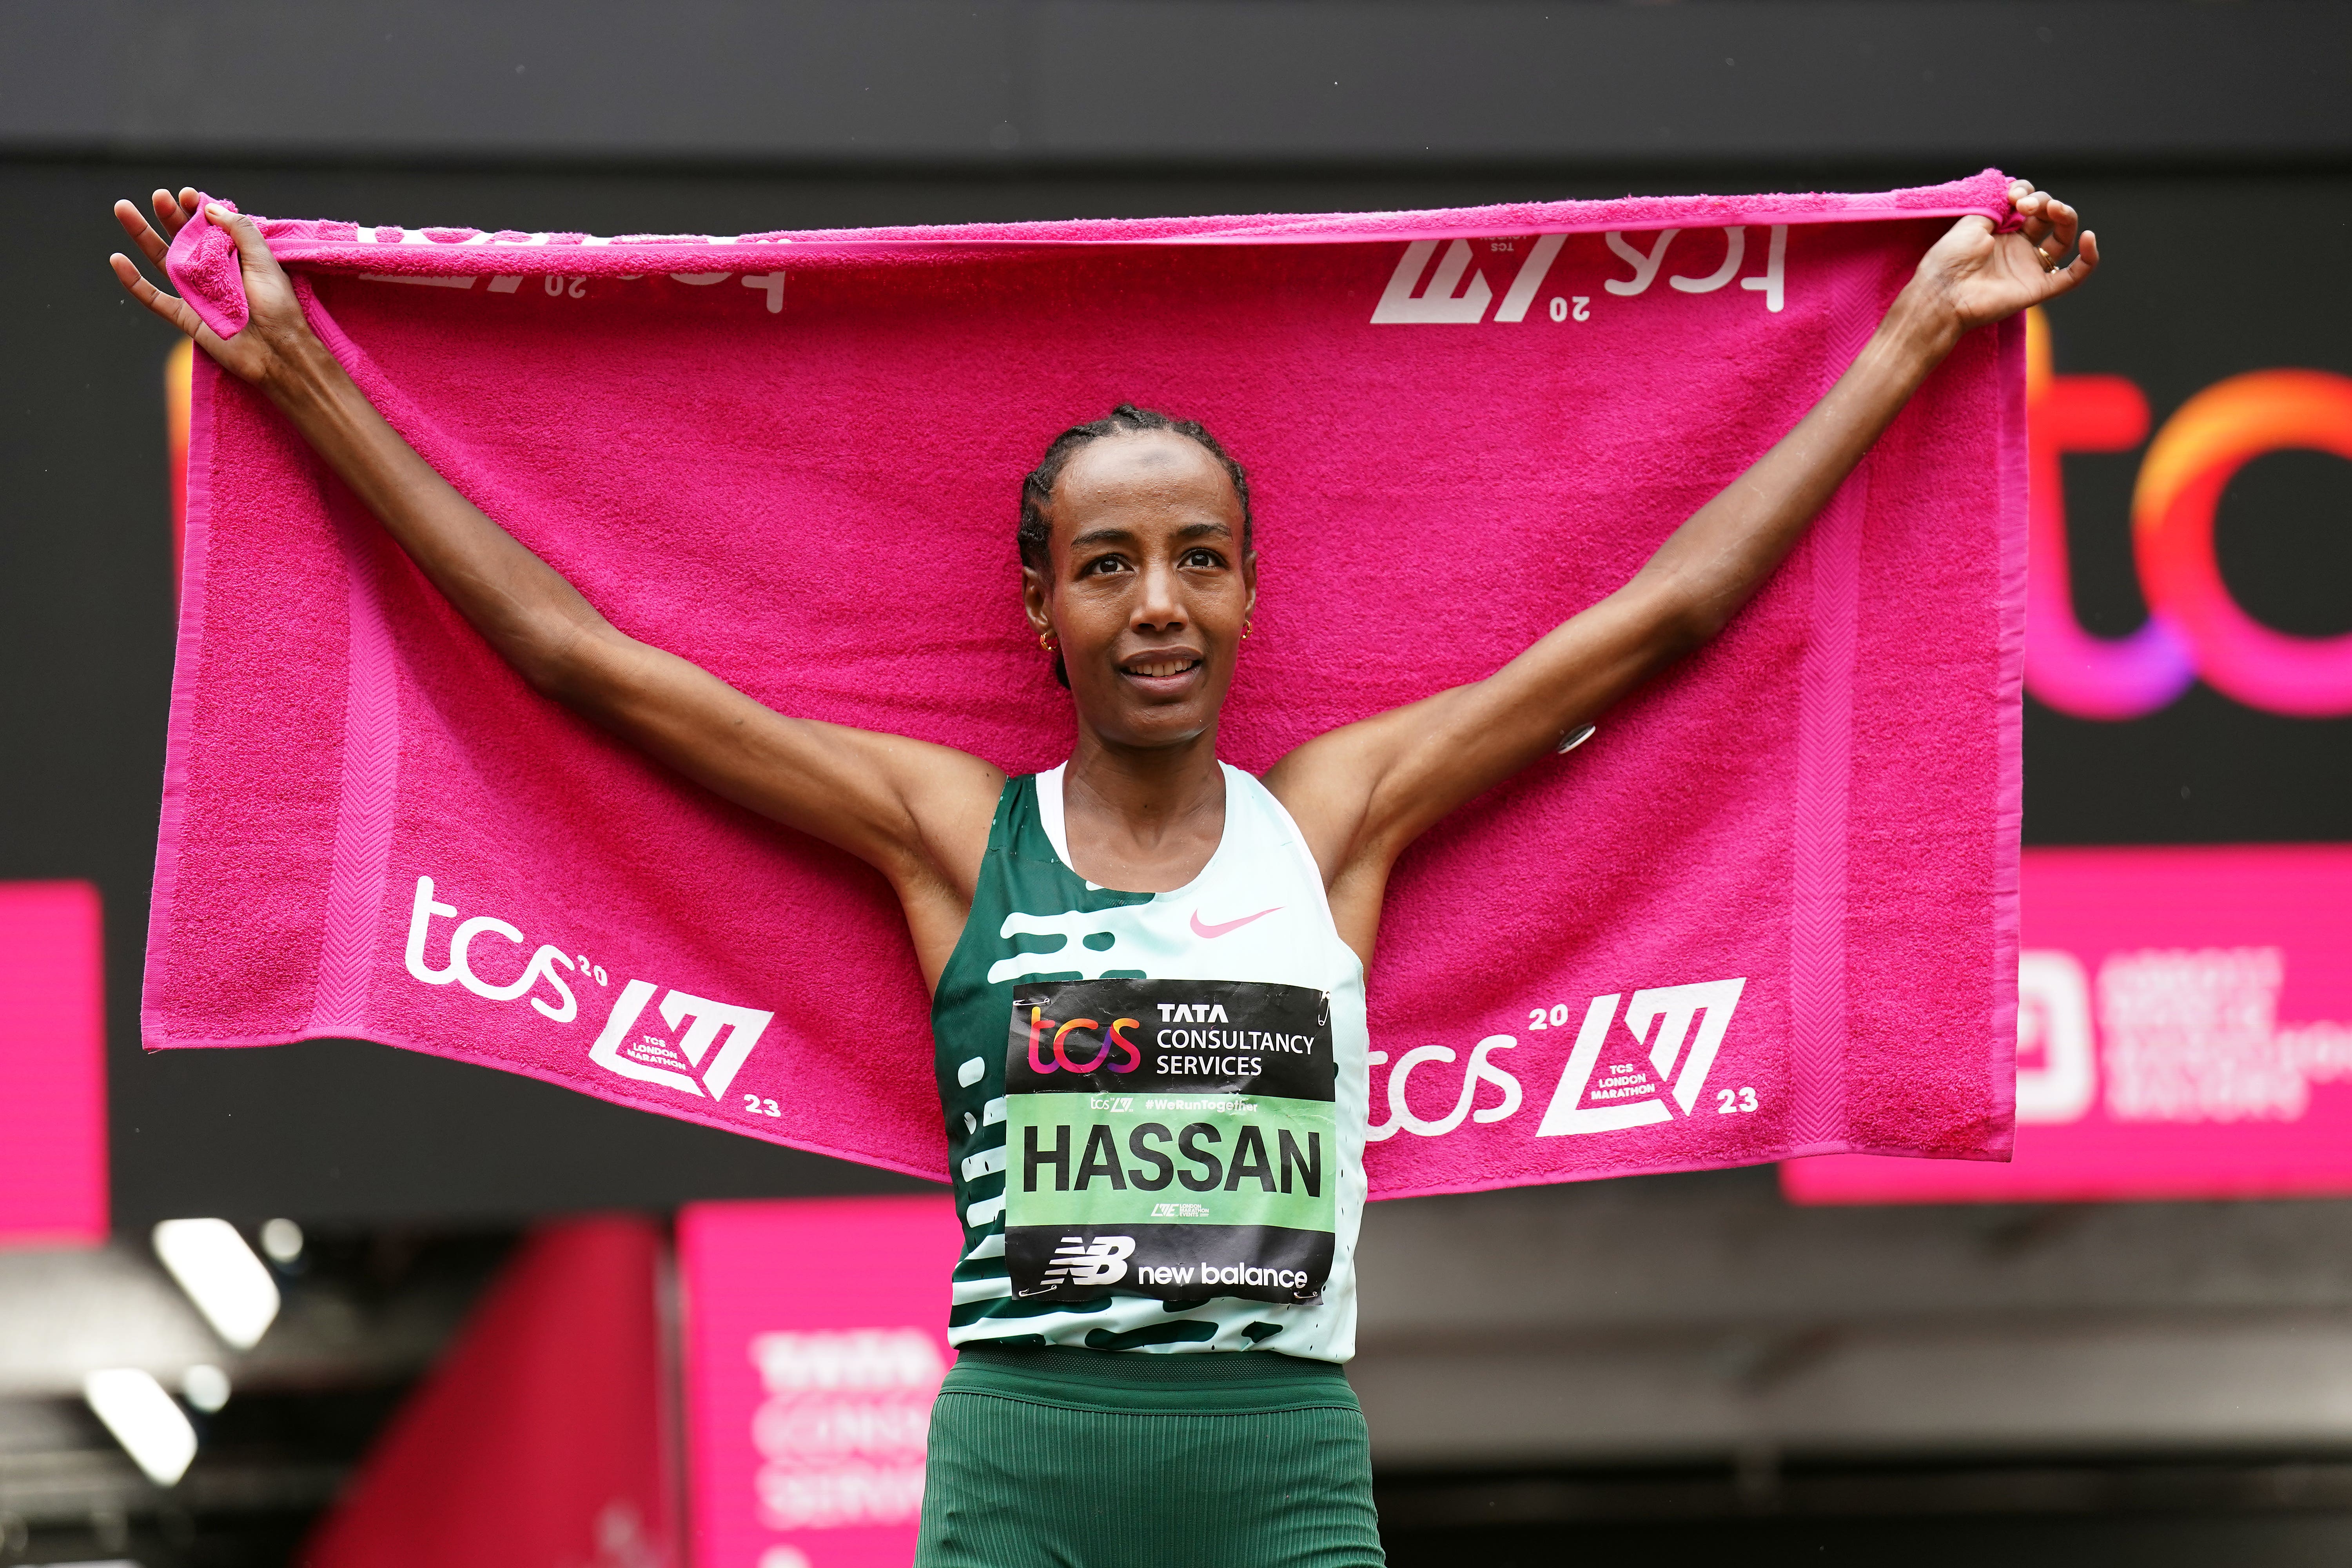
(1038, 605)
(1036, 602)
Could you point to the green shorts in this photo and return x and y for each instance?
(1057, 1457)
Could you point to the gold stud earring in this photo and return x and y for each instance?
(1246, 630)
(1045, 641)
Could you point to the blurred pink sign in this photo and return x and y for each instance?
(815, 1340)
(2184, 1031)
(52, 1066)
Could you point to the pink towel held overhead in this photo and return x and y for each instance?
(1770, 909)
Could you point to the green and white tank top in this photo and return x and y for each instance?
(1155, 1101)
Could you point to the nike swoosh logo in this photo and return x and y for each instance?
(1222, 927)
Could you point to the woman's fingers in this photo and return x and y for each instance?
(251, 248)
(135, 284)
(2048, 224)
(2062, 280)
(2061, 226)
(170, 214)
(2086, 262)
(2064, 224)
(2034, 214)
(264, 280)
(143, 234)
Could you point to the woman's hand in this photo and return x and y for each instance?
(275, 337)
(1363, 792)
(1974, 276)
(920, 813)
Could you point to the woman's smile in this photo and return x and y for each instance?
(1163, 671)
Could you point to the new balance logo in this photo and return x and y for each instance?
(1078, 1261)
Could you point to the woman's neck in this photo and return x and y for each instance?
(1142, 821)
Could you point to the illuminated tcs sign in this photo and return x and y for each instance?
(2194, 627)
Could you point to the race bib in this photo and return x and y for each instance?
(1172, 1137)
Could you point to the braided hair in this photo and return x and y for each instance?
(1037, 490)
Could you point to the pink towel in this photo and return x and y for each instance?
(206, 270)
(1768, 910)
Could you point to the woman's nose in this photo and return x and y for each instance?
(1161, 603)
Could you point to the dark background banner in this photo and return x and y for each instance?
(2210, 273)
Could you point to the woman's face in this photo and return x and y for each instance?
(1148, 590)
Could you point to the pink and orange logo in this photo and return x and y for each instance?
(1039, 1023)
(2194, 627)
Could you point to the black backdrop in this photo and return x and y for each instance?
(2206, 277)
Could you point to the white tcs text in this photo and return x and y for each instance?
(648, 1058)
(1689, 1023)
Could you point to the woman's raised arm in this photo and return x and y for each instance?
(1362, 792)
(918, 811)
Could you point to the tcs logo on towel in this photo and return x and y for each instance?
(1656, 1073)
(1456, 292)
(702, 1061)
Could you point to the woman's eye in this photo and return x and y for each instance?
(1208, 558)
(1101, 563)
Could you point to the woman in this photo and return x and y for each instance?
(1203, 1197)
